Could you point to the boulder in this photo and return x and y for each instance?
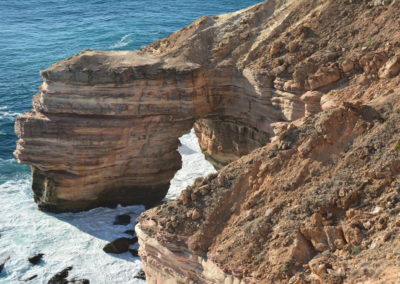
(391, 68)
(123, 220)
(36, 259)
(61, 278)
(140, 275)
(118, 246)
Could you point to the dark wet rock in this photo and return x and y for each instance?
(61, 278)
(36, 259)
(118, 246)
(134, 252)
(2, 263)
(134, 240)
(124, 220)
(80, 281)
(30, 278)
(140, 275)
(129, 232)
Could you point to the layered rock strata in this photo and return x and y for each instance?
(310, 207)
(318, 204)
(105, 126)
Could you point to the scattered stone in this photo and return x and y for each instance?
(391, 68)
(36, 259)
(123, 220)
(185, 197)
(275, 48)
(134, 252)
(118, 246)
(140, 275)
(347, 65)
(196, 214)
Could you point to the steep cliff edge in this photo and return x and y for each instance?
(105, 126)
(320, 203)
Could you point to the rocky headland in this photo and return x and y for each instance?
(296, 101)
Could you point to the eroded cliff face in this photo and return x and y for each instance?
(310, 88)
(105, 125)
(320, 203)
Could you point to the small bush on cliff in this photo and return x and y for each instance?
(397, 146)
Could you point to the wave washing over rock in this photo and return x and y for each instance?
(80, 237)
(296, 102)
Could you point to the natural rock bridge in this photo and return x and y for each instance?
(105, 125)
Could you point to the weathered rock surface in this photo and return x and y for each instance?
(303, 211)
(319, 203)
(105, 125)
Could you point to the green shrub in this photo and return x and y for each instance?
(397, 146)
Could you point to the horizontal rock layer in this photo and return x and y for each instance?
(317, 204)
(310, 207)
(105, 126)
(300, 209)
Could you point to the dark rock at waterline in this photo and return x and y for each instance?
(36, 259)
(122, 220)
(118, 246)
(61, 278)
(30, 278)
(129, 232)
(140, 275)
(134, 252)
(80, 281)
(2, 263)
(134, 240)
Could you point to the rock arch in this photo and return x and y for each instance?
(105, 126)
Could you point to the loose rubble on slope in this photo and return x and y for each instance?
(305, 92)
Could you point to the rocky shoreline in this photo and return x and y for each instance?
(296, 102)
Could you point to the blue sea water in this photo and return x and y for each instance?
(33, 35)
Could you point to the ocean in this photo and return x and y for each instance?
(33, 35)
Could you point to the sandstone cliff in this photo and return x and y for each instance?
(320, 203)
(306, 90)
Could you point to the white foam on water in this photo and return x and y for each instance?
(194, 165)
(6, 114)
(76, 239)
(65, 240)
(124, 41)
